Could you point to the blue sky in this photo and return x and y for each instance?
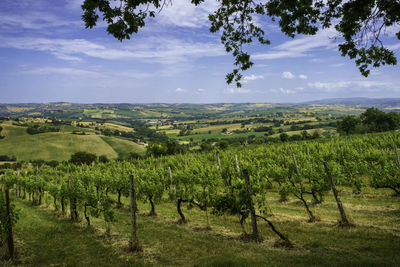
(47, 55)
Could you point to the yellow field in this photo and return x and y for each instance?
(18, 109)
(217, 128)
(121, 128)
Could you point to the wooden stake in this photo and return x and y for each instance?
(252, 210)
(10, 239)
(171, 180)
(237, 163)
(134, 242)
(71, 205)
(335, 193)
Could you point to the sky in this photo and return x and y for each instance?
(47, 55)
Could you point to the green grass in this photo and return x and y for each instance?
(123, 147)
(59, 145)
(44, 238)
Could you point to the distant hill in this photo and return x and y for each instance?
(354, 101)
(60, 145)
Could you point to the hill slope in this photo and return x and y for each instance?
(59, 145)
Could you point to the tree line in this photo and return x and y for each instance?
(372, 120)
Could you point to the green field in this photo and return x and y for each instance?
(60, 145)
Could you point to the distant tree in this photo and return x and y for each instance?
(80, 158)
(223, 144)
(37, 129)
(206, 147)
(224, 130)
(7, 158)
(52, 163)
(107, 132)
(156, 150)
(372, 120)
(284, 137)
(103, 159)
(170, 147)
(305, 135)
(349, 125)
(295, 137)
(316, 134)
(173, 147)
(182, 132)
(379, 121)
(263, 129)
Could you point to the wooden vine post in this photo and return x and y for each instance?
(72, 201)
(397, 156)
(344, 220)
(301, 192)
(171, 180)
(134, 242)
(10, 239)
(71, 208)
(237, 164)
(252, 210)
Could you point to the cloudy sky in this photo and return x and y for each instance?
(47, 55)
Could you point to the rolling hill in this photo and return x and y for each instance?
(60, 145)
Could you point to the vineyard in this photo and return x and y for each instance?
(267, 196)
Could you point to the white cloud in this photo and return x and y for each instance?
(186, 14)
(180, 90)
(159, 50)
(90, 74)
(33, 20)
(237, 91)
(303, 76)
(287, 91)
(337, 65)
(316, 60)
(332, 86)
(261, 65)
(63, 71)
(288, 75)
(393, 47)
(200, 90)
(74, 4)
(302, 46)
(283, 91)
(252, 77)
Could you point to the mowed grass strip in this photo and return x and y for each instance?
(44, 239)
(375, 241)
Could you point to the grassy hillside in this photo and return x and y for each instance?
(59, 145)
(123, 147)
